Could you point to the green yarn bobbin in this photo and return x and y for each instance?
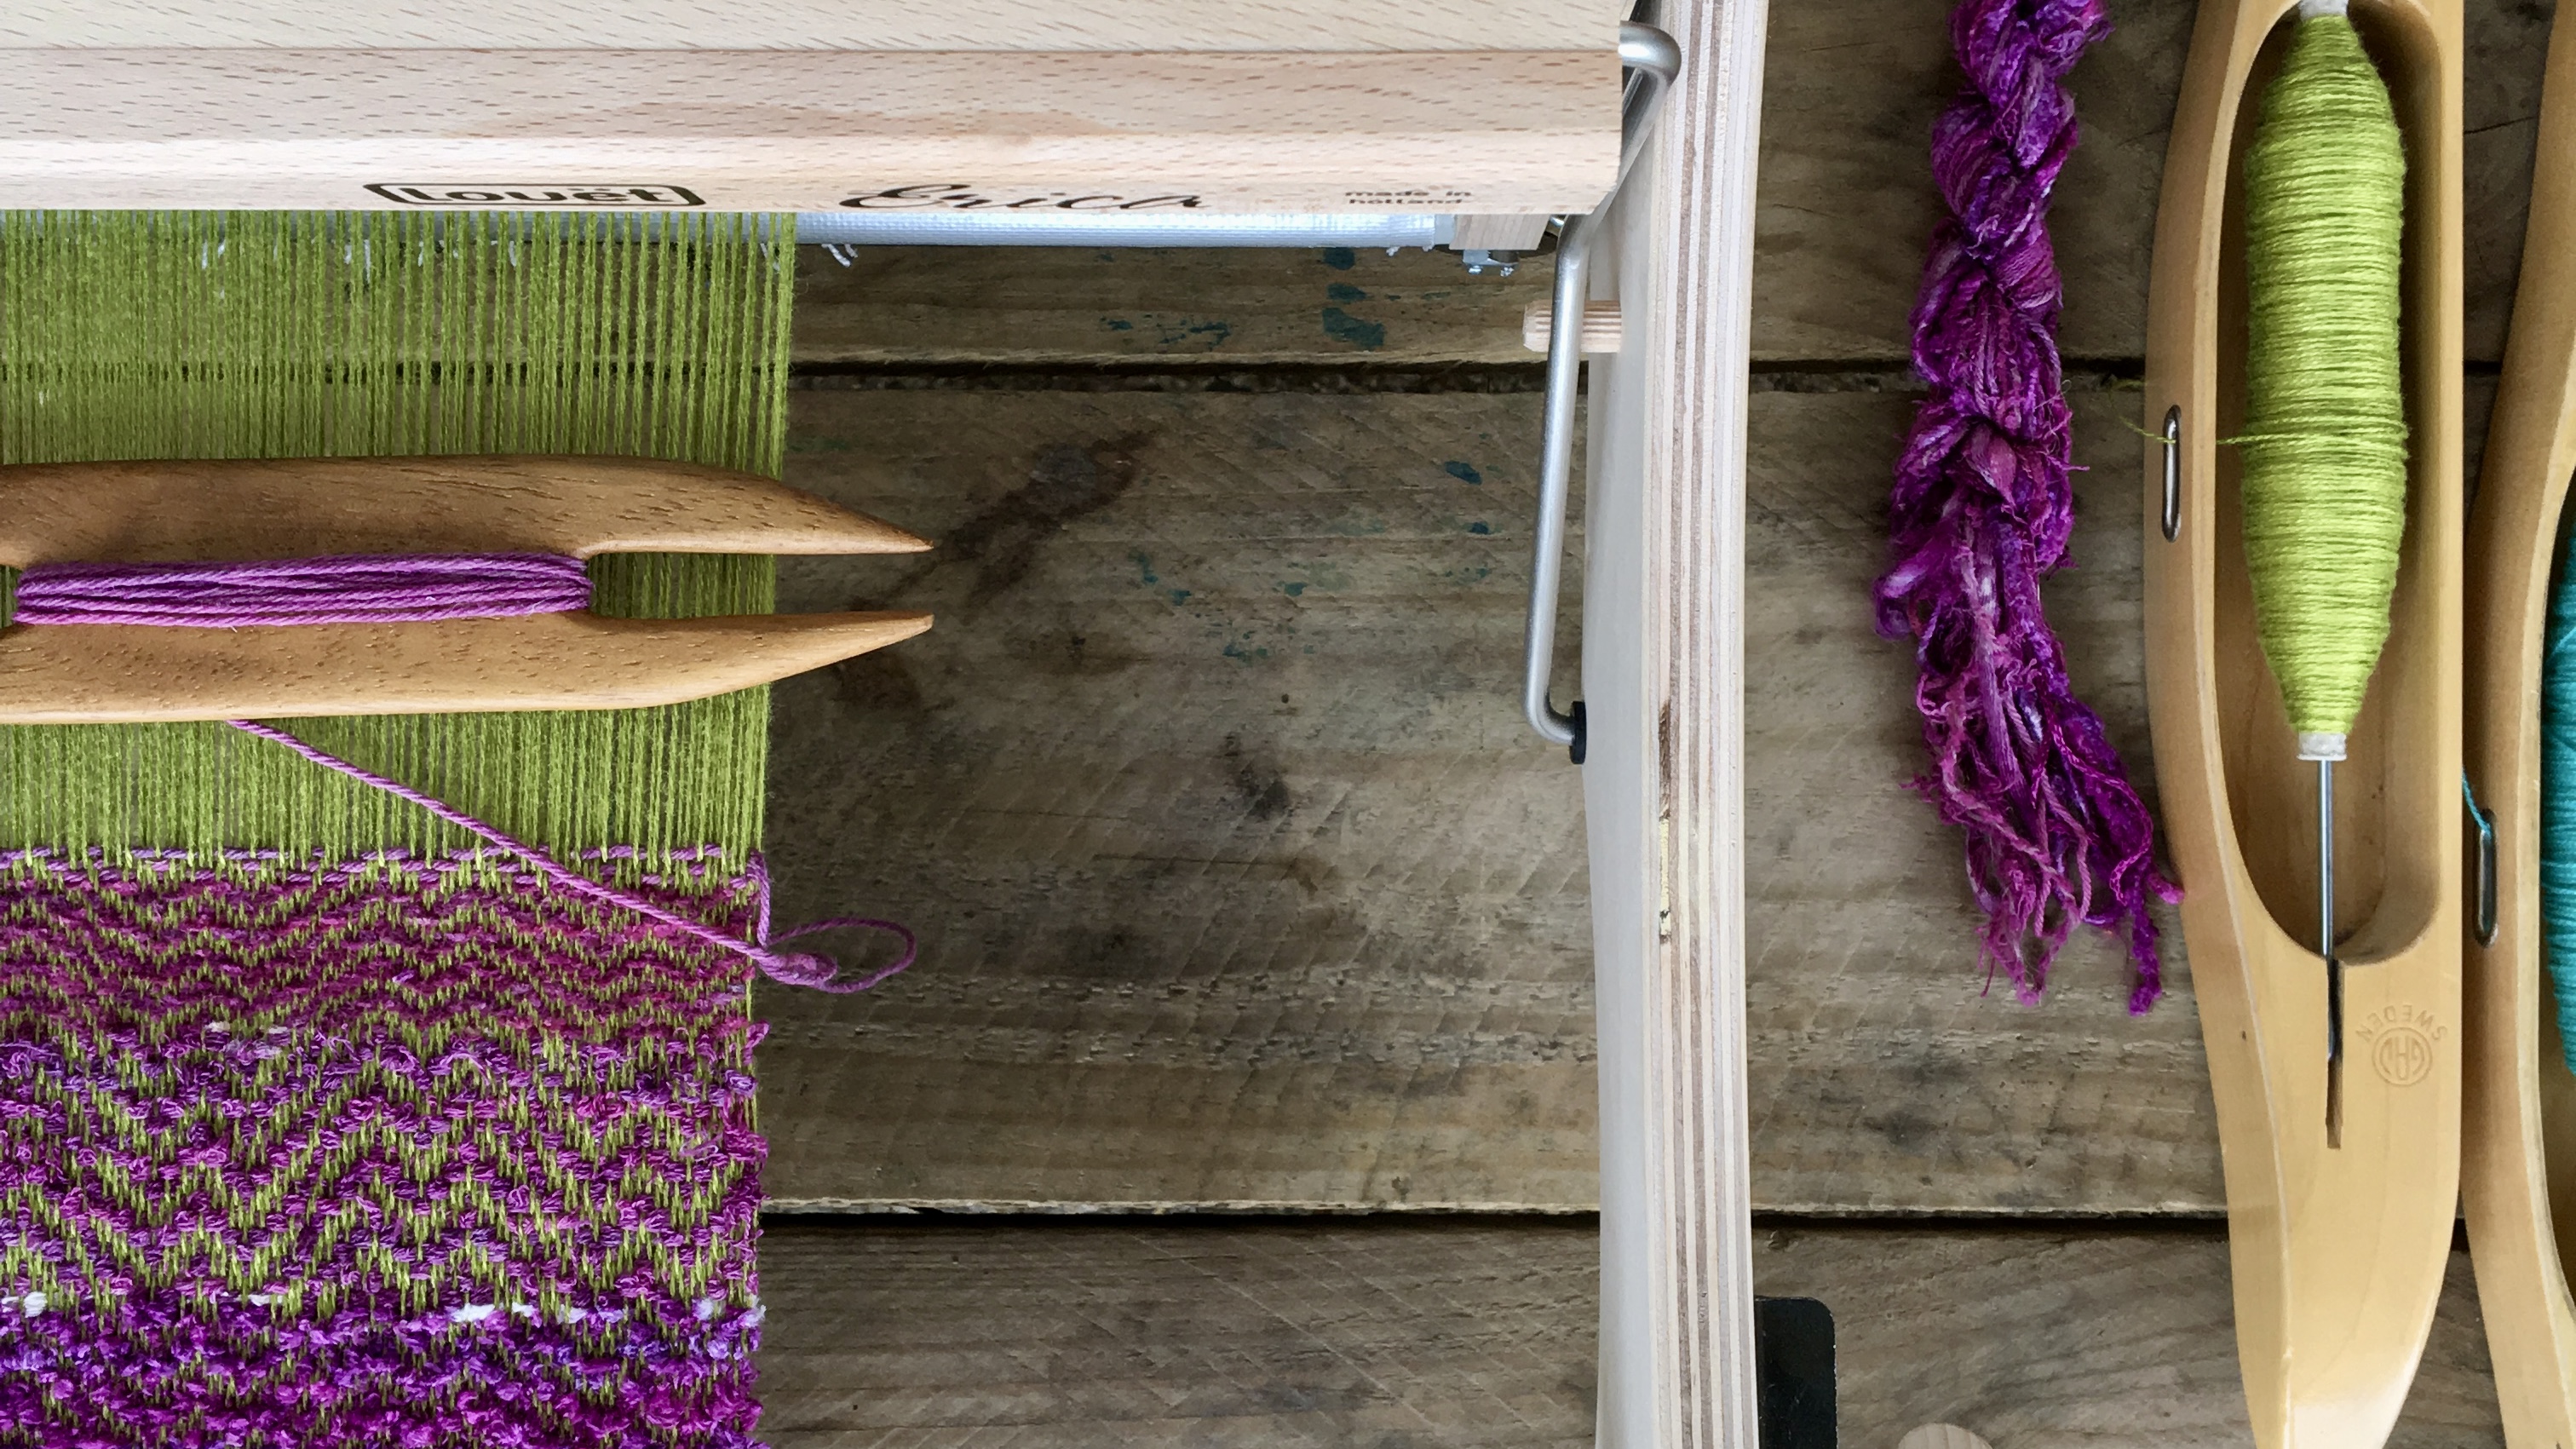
(2324, 440)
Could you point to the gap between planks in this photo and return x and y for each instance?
(1461, 1332)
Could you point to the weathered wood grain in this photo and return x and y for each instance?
(1409, 1335)
(1886, 1075)
(1239, 878)
(1387, 1334)
(1241, 882)
(1845, 205)
(1181, 305)
(2066, 1339)
(1192, 942)
(1847, 200)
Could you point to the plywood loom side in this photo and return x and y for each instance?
(1663, 673)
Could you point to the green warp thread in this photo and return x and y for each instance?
(2324, 440)
(144, 334)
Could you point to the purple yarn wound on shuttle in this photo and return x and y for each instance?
(1982, 510)
(340, 589)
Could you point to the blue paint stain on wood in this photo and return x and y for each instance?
(1340, 259)
(1213, 334)
(1147, 578)
(1176, 332)
(1463, 472)
(1294, 591)
(1345, 292)
(1341, 326)
(1479, 527)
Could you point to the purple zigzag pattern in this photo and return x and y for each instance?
(415, 1152)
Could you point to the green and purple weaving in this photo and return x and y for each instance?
(320, 1120)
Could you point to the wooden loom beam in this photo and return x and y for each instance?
(1314, 106)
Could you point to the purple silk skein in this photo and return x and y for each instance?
(1982, 509)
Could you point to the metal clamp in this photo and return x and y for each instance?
(2173, 472)
(1651, 60)
(2486, 898)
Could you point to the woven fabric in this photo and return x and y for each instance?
(401, 1151)
(320, 1122)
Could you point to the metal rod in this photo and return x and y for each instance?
(2484, 820)
(2173, 473)
(924, 224)
(2326, 948)
(1652, 60)
(2325, 860)
(1555, 481)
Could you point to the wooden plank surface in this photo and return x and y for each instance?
(1241, 883)
(1845, 205)
(1213, 927)
(1423, 1334)
(982, 307)
(1239, 878)
(1884, 1076)
(1191, 942)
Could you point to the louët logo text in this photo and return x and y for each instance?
(522, 196)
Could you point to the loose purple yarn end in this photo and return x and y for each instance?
(1982, 510)
(792, 968)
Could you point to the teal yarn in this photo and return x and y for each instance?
(2558, 802)
(2324, 438)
